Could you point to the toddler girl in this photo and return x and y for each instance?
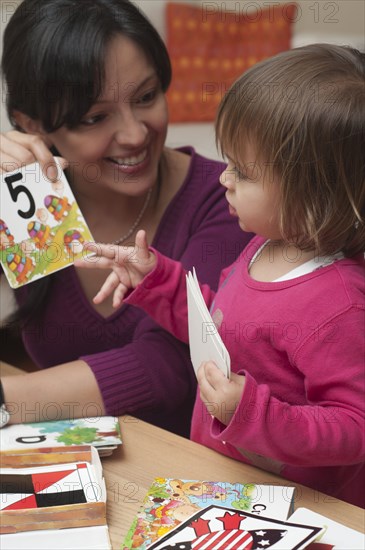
(291, 309)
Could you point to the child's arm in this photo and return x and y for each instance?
(159, 282)
(330, 417)
(129, 265)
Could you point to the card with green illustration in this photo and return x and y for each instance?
(101, 432)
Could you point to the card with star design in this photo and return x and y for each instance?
(218, 528)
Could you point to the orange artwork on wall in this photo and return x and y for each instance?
(210, 48)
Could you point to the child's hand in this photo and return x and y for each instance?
(129, 264)
(220, 395)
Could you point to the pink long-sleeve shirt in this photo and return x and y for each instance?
(300, 344)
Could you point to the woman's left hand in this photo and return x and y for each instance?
(220, 395)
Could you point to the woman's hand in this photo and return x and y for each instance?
(220, 395)
(129, 265)
(18, 149)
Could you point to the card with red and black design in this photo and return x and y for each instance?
(218, 528)
(48, 486)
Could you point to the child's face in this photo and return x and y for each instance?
(252, 194)
(119, 142)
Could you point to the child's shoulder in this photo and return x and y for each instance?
(340, 287)
(351, 272)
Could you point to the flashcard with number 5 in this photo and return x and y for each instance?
(42, 229)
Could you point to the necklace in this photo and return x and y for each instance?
(122, 239)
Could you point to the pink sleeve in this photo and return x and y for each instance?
(162, 294)
(333, 416)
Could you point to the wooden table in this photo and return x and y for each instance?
(148, 452)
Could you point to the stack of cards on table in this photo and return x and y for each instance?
(42, 229)
(53, 498)
(101, 432)
(204, 340)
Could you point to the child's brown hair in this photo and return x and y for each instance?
(304, 111)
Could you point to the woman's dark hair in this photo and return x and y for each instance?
(53, 65)
(54, 52)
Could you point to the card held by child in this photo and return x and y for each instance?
(42, 229)
(204, 340)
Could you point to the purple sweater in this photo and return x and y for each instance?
(140, 368)
(300, 344)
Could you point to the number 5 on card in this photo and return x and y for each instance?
(42, 229)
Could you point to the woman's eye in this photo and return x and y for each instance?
(147, 97)
(92, 120)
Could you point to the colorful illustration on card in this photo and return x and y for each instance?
(169, 502)
(99, 432)
(219, 528)
(20, 265)
(42, 229)
(6, 238)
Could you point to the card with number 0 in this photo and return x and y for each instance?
(42, 229)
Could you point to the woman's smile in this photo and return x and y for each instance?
(132, 164)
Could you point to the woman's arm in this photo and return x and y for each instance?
(66, 391)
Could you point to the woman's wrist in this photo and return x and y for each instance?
(4, 413)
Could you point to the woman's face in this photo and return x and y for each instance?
(118, 144)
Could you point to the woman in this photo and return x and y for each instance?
(87, 80)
